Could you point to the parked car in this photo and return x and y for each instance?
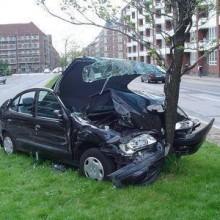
(47, 70)
(154, 74)
(91, 120)
(3, 80)
(57, 70)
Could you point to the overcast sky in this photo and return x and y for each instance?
(22, 11)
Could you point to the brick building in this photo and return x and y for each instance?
(204, 32)
(107, 44)
(26, 48)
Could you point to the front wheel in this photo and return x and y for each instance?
(8, 144)
(95, 165)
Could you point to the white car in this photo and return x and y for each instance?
(57, 70)
(47, 70)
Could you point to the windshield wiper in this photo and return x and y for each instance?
(103, 88)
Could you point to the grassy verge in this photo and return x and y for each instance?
(52, 81)
(190, 190)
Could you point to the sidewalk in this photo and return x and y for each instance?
(203, 78)
(214, 136)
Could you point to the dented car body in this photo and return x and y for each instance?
(110, 131)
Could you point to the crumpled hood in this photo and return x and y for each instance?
(130, 107)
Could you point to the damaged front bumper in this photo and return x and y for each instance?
(144, 169)
(190, 143)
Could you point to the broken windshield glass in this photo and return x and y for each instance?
(104, 68)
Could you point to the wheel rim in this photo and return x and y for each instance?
(93, 168)
(8, 145)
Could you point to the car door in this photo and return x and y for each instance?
(52, 126)
(20, 119)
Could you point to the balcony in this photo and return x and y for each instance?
(206, 45)
(159, 5)
(190, 47)
(203, 23)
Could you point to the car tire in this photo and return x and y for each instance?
(95, 165)
(8, 144)
(142, 80)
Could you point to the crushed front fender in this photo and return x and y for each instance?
(192, 142)
(144, 169)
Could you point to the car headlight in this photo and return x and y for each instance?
(184, 125)
(137, 143)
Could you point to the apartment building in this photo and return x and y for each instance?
(26, 48)
(107, 44)
(204, 32)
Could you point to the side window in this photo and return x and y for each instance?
(26, 103)
(46, 104)
(14, 104)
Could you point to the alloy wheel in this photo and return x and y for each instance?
(93, 168)
(8, 145)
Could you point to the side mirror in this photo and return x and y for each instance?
(58, 114)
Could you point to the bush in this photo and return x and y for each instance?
(4, 69)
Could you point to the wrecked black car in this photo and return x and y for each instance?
(93, 121)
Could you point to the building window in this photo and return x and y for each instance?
(134, 49)
(148, 59)
(141, 22)
(158, 28)
(129, 49)
(134, 58)
(213, 58)
(140, 11)
(168, 25)
(147, 32)
(141, 33)
(141, 47)
(168, 8)
(133, 15)
(159, 43)
(158, 13)
(142, 58)
(212, 34)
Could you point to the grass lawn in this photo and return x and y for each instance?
(52, 81)
(188, 190)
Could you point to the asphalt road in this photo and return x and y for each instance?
(18, 83)
(200, 98)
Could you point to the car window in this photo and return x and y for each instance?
(26, 103)
(14, 104)
(46, 104)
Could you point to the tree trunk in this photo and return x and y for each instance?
(171, 90)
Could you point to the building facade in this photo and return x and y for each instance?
(107, 44)
(26, 48)
(204, 32)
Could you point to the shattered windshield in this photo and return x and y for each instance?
(104, 68)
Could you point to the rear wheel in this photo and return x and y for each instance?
(8, 144)
(95, 165)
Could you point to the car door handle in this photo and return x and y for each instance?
(37, 127)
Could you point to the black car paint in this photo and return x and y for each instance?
(66, 138)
